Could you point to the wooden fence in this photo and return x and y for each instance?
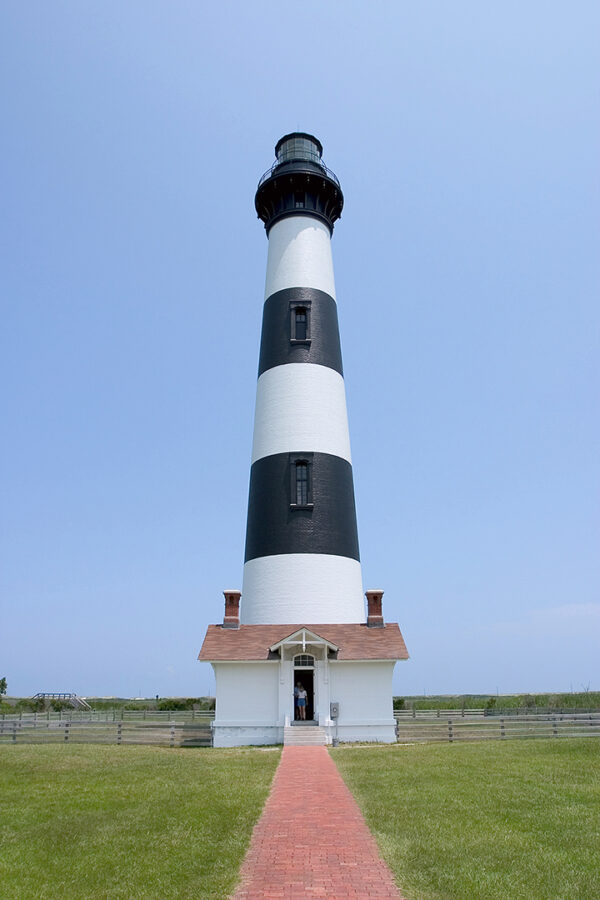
(478, 728)
(163, 734)
(480, 711)
(176, 729)
(111, 715)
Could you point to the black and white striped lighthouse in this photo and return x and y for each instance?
(302, 561)
(302, 614)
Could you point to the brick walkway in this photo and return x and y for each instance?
(311, 840)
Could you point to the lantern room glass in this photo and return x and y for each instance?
(299, 148)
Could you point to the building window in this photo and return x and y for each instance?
(299, 200)
(301, 482)
(304, 659)
(300, 323)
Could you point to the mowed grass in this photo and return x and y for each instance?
(519, 819)
(135, 822)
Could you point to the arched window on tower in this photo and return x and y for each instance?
(301, 481)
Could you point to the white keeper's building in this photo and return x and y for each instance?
(301, 618)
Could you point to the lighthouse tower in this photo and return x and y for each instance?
(301, 616)
(302, 560)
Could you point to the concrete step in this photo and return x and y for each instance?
(308, 736)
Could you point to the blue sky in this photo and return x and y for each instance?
(466, 139)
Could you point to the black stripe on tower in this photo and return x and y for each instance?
(319, 340)
(277, 524)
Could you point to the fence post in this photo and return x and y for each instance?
(450, 735)
(554, 728)
(502, 731)
(414, 712)
(119, 732)
(14, 733)
(67, 726)
(172, 734)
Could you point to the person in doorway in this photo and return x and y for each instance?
(296, 713)
(302, 696)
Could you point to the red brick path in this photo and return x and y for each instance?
(311, 840)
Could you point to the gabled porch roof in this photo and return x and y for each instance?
(302, 638)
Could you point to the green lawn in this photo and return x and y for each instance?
(519, 819)
(127, 822)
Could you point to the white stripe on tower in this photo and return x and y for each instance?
(299, 256)
(301, 407)
(336, 578)
(302, 562)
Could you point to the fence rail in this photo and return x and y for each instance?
(452, 728)
(490, 713)
(112, 715)
(165, 734)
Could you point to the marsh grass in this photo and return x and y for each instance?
(127, 822)
(514, 820)
(580, 700)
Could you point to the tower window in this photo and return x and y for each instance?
(299, 200)
(300, 323)
(301, 482)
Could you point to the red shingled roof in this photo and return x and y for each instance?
(253, 641)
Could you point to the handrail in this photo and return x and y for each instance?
(320, 165)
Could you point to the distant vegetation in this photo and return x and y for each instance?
(581, 700)
(26, 704)
(160, 703)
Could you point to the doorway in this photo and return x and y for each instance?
(306, 677)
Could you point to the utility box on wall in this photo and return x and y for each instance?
(334, 710)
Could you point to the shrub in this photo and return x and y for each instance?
(27, 705)
(58, 705)
(182, 703)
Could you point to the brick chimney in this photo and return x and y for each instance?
(374, 610)
(231, 619)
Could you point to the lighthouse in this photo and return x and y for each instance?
(301, 559)
(301, 617)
